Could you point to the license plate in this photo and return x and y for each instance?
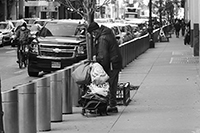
(55, 64)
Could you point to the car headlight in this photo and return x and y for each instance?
(35, 47)
(80, 50)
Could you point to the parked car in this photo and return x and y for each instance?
(30, 21)
(116, 31)
(60, 43)
(5, 32)
(122, 31)
(42, 22)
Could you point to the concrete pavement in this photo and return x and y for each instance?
(168, 99)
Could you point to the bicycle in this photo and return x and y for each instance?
(23, 55)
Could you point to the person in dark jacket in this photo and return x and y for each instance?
(22, 35)
(108, 54)
(177, 27)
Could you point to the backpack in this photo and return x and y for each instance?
(23, 37)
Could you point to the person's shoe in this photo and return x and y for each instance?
(112, 109)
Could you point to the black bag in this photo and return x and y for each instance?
(187, 38)
(93, 103)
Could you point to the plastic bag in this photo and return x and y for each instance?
(98, 75)
(101, 89)
(81, 74)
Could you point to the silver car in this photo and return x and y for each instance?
(6, 31)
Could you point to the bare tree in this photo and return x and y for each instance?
(85, 8)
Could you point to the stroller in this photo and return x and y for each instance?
(93, 103)
(95, 95)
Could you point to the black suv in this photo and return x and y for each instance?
(59, 43)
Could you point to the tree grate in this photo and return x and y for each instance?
(184, 60)
(181, 53)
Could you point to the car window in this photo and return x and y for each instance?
(115, 30)
(40, 22)
(59, 29)
(14, 23)
(80, 30)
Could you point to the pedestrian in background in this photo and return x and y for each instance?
(187, 34)
(177, 27)
(183, 27)
(108, 54)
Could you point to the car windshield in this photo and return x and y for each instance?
(15, 23)
(3, 25)
(59, 29)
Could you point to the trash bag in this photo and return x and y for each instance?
(81, 74)
(101, 89)
(98, 75)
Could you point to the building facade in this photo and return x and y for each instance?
(192, 15)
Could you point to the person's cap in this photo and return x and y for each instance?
(93, 26)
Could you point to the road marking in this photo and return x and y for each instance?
(20, 71)
(12, 51)
(171, 60)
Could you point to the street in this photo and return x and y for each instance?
(10, 73)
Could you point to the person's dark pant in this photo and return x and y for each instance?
(20, 44)
(113, 82)
(183, 32)
(177, 33)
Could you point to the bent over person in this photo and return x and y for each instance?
(108, 55)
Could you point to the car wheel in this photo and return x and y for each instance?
(32, 73)
(12, 43)
(2, 44)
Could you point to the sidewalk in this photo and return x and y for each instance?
(168, 99)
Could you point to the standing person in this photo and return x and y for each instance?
(22, 35)
(177, 27)
(183, 27)
(187, 34)
(107, 54)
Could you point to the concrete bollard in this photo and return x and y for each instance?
(75, 88)
(1, 112)
(27, 108)
(56, 97)
(43, 114)
(66, 91)
(10, 109)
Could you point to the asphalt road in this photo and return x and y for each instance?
(10, 73)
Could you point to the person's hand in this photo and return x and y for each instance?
(94, 58)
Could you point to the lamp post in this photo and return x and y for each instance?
(1, 112)
(160, 9)
(151, 42)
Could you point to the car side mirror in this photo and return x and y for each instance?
(117, 37)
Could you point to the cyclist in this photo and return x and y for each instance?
(22, 35)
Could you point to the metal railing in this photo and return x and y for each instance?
(33, 106)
